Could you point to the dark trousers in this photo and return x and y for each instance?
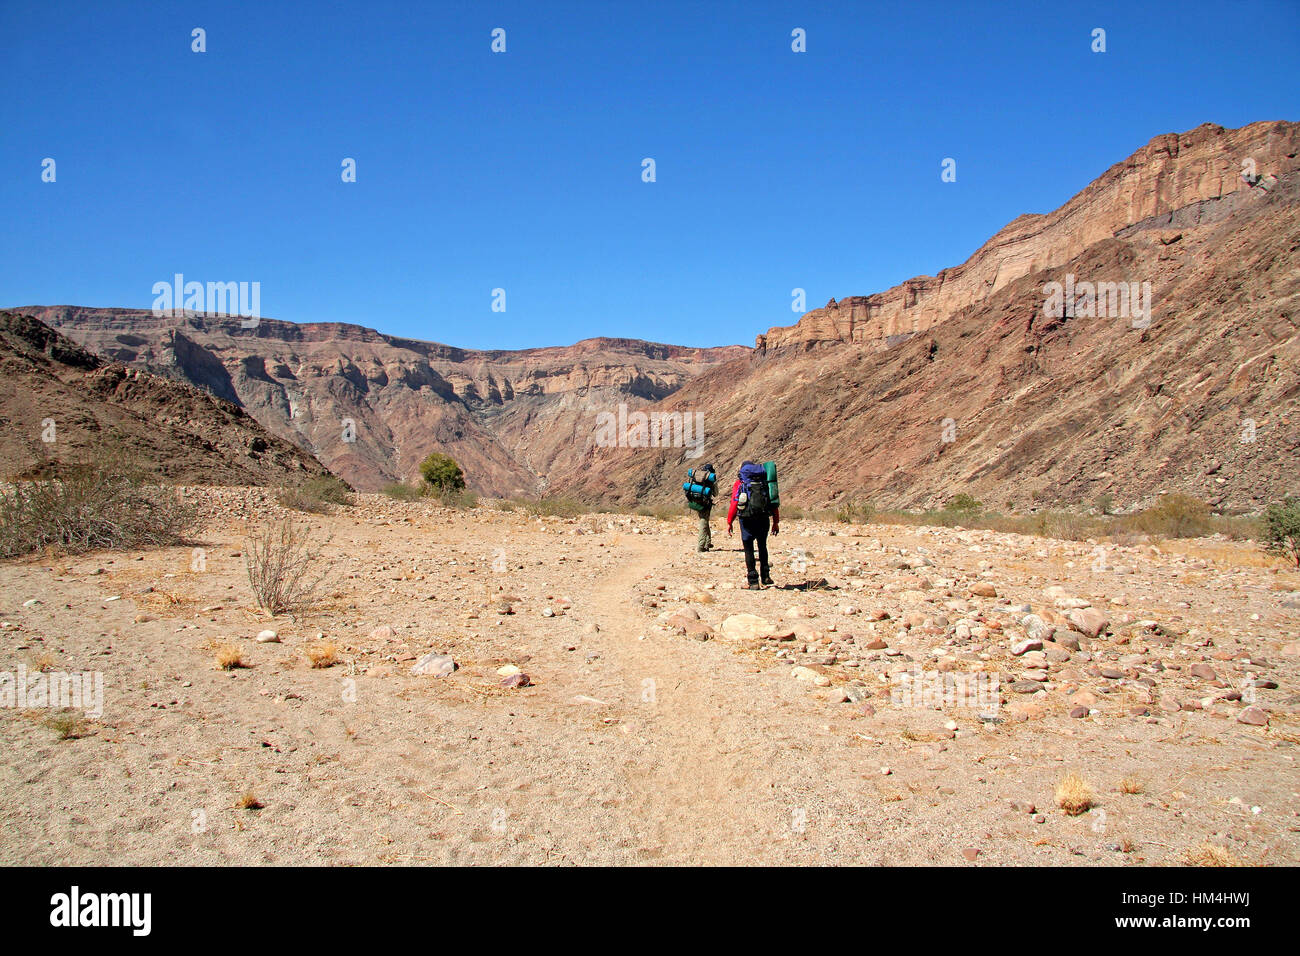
(753, 534)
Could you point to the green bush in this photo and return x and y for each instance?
(441, 472)
(962, 504)
(1281, 532)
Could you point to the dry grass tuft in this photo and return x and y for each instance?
(1129, 785)
(322, 654)
(1207, 854)
(229, 657)
(1074, 795)
(248, 801)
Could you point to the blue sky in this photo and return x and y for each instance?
(522, 170)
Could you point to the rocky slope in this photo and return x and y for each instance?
(60, 403)
(372, 406)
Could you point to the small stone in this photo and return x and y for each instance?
(1203, 671)
(516, 680)
(970, 853)
(508, 670)
(1253, 716)
(983, 589)
(382, 633)
(810, 675)
(1088, 621)
(1078, 712)
(434, 665)
(267, 637)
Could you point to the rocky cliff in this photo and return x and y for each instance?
(372, 406)
(1177, 176)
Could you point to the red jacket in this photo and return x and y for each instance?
(731, 512)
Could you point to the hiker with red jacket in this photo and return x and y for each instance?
(751, 500)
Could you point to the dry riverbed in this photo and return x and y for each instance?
(903, 696)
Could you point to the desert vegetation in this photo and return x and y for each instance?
(88, 506)
(284, 567)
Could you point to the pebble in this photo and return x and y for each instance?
(434, 665)
(268, 637)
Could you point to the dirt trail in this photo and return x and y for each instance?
(704, 788)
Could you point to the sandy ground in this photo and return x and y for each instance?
(636, 743)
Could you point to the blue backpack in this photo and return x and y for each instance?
(699, 487)
(753, 499)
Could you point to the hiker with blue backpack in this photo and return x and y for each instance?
(756, 500)
(699, 486)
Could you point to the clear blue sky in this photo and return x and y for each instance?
(522, 170)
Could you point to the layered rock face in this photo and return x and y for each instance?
(1187, 172)
(372, 406)
(60, 404)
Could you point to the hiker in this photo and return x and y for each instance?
(699, 486)
(752, 499)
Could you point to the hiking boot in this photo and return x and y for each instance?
(754, 587)
(767, 582)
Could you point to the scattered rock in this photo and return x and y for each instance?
(746, 627)
(434, 665)
(1253, 716)
(1088, 621)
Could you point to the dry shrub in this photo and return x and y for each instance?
(1207, 854)
(281, 562)
(316, 495)
(87, 507)
(69, 726)
(1174, 516)
(1074, 795)
(322, 654)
